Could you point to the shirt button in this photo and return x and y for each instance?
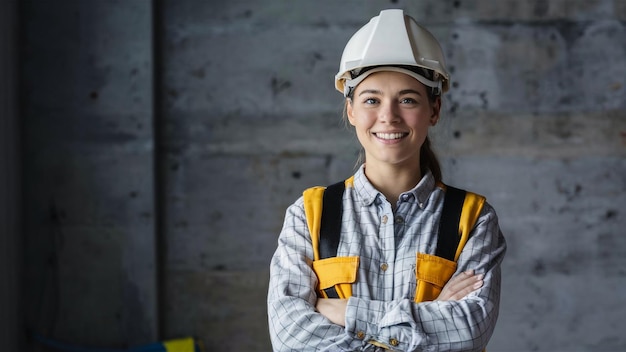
(422, 205)
(360, 335)
(394, 342)
(399, 220)
(384, 267)
(405, 197)
(385, 219)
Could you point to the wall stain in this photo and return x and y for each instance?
(279, 85)
(570, 193)
(610, 214)
(539, 268)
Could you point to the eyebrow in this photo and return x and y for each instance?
(410, 91)
(370, 91)
(402, 92)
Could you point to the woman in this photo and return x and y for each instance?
(387, 269)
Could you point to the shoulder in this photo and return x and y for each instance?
(488, 212)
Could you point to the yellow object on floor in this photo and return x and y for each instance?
(180, 345)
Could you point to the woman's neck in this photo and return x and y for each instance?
(392, 180)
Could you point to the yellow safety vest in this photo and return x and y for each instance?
(432, 271)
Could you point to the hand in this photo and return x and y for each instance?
(460, 286)
(333, 308)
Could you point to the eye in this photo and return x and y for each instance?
(370, 101)
(408, 101)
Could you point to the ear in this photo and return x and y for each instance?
(436, 106)
(350, 111)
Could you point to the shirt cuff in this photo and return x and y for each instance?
(362, 318)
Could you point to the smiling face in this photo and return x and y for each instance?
(391, 113)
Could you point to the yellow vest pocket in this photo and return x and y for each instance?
(432, 273)
(336, 271)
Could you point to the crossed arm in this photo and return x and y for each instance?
(462, 318)
(334, 309)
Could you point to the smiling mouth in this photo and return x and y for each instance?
(391, 136)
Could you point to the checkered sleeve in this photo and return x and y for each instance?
(464, 325)
(294, 323)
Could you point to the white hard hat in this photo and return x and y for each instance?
(392, 41)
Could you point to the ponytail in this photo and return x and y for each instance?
(429, 161)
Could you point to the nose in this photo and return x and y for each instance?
(389, 112)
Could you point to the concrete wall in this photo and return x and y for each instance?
(90, 237)
(137, 233)
(10, 256)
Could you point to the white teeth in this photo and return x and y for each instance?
(389, 135)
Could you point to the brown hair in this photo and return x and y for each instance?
(429, 161)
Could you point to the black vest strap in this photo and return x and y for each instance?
(449, 237)
(330, 227)
(332, 209)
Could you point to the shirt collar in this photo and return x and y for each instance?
(368, 194)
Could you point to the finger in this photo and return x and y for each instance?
(471, 286)
(464, 285)
(464, 279)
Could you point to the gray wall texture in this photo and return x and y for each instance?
(10, 254)
(162, 142)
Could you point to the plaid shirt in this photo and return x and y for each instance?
(381, 308)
